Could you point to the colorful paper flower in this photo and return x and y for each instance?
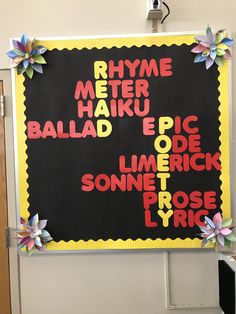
(32, 234)
(212, 48)
(27, 56)
(217, 232)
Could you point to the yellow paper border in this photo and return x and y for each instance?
(109, 43)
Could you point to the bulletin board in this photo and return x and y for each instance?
(123, 142)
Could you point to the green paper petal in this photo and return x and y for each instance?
(219, 37)
(30, 72)
(230, 237)
(222, 46)
(220, 52)
(219, 61)
(19, 52)
(39, 59)
(20, 69)
(228, 243)
(226, 223)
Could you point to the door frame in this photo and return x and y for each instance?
(5, 76)
(4, 257)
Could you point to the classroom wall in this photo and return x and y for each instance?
(117, 283)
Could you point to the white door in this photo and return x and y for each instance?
(141, 282)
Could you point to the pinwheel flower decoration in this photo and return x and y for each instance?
(212, 48)
(32, 234)
(218, 232)
(27, 56)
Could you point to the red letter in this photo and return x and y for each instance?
(148, 220)
(141, 88)
(33, 130)
(210, 200)
(180, 217)
(194, 143)
(147, 163)
(87, 180)
(84, 90)
(89, 129)
(213, 161)
(148, 69)
(186, 123)
(119, 69)
(132, 66)
(179, 143)
(60, 130)
(196, 201)
(149, 182)
(149, 198)
(148, 126)
(175, 199)
(82, 108)
(105, 179)
(165, 67)
(49, 130)
(127, 89)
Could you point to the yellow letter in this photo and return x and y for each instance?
(101, 109)
(165, 216)
(100, 128)
(163, 162)
(101, 88)
(167, 144)
(100, 68)
(165, 123)
(164, 199)
(163, 176)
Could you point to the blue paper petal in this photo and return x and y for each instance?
(208, 220)
(227, 41)
(34, 220)
(26, 63)
(213, 54)
(38, 68)
(209, 63)
(41, 50)
(202, 38)
(199, 58)
(210, 35)
(45, 234)
(38, 241)
(11, 54)
(24, 39)
(33, 52)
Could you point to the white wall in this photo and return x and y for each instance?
(111, 283)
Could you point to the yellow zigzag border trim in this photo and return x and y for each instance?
(109, 43)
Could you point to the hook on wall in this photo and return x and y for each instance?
(155, 12)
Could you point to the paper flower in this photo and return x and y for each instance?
(217, 232)
(32, 235)
(212, 48)
(27, 56)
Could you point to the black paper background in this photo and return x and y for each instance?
(55, 166)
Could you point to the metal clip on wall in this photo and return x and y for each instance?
(155, 13)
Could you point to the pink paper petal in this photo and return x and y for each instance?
(227, 54)
(225, 231)
(22, 221)
(30, 245)
(207, 45)
(217, 218)
(24, 241)
(198, 49)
